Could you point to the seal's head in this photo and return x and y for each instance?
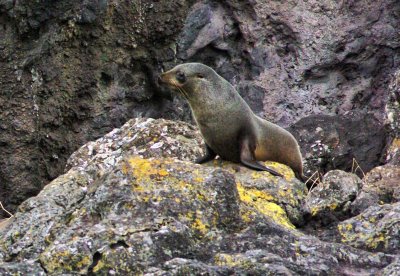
(187, 78)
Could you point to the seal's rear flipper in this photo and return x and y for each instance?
(247, 159)
(259, 167)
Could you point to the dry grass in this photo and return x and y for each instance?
(356, 167)
(5, 210)
(314, 179)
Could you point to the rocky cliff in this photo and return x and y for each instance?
(131, 203)
(71, 71)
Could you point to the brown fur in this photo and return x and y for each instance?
(229, 127)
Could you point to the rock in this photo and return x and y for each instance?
(393, 152)
(330, 200)
(145, 137)
(317, 65)
(115, 212)
(340, 142)
(393, 114)
(393, 120)
(29, 267)
(380, 186)
(72, 71)
(376, 229)
(392, 269)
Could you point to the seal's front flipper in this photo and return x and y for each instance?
(210, 155)
(247, 159)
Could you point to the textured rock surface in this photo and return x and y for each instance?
(115, 212)
(70, 71)
(377, 229)
(302, 58)
(335, 142)
(332, 198)
(381, 186)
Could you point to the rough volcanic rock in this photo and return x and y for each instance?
(27, 268)
(71, 71)
(145, 137)
(331, 200)
(393, 118)
(380, 186)
(336, 142)
(115, 212)
(332, 60)
(376, 228)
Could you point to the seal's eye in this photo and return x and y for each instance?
(180, 76)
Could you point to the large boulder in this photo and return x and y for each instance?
(127, 207)
(72, 71)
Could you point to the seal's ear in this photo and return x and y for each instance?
(200, 76)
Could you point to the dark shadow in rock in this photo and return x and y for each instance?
(333, 142)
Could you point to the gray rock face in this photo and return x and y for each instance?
(72, 71)
(337, 142)
(381, 186)
(377, 229)
(333, 197)
(124, 207)
(318, 58)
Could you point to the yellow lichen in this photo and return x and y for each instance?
(223, 259)
(197, 221)
(163, 172)
(286, 171)
(198, 178)
(370, 240)
(200, 226)
(247, 194)
(260, 200)
(333, 206)
(145, 168)
(288, 195)
(395, 144)
(314, 211)
(125, 169)
(84, 262)
(55, 263)
(319, 208)
(374, 242)
(98, 266)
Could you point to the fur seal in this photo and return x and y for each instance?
(229, 127)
